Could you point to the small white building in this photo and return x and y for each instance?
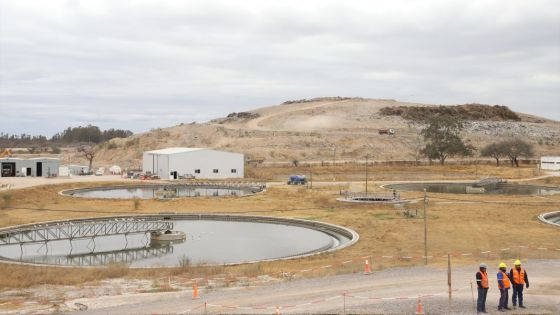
(174, 163)
(35, 167)
(550, 163)
(78, 169)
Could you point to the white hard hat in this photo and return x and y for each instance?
(483, 265)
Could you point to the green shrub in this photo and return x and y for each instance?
(462, 112)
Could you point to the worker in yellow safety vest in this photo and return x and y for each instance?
(482, 284)
(518, 277)
(503, 285)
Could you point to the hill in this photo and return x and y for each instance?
(317, 129)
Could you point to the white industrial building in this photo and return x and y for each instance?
(175, 163)
(550, 163)
(35, 167)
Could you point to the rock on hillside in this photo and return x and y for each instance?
(312, 129)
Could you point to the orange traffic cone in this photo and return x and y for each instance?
(419, 308)
(367, 268)
(195, 291)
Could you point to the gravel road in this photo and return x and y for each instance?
(393, 291)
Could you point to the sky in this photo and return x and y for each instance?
(146, 64)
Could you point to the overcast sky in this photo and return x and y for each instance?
(144, 64)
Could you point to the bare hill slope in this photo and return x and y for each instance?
(315, 129)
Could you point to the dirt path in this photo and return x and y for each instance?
(390, 291)
(254, 123)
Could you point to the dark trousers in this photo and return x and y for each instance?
(503, 298)
(481, 301)
(517, 292)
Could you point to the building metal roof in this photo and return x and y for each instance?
(174, 150)
(168, 151)
(45, 158)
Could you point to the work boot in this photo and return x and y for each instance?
(507, 308)
(521, 306)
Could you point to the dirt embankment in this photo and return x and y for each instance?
(320, 130)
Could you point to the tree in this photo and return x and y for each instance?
(495, 150)
(90, 134)
(516, 148)
(88, 152)
(442, 136)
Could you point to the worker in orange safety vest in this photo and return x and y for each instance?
(518, 277)
(503, 285)
(482, 284)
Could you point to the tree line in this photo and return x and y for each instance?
(71, 135)
(442, 137)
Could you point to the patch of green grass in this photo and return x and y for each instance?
(383, 216)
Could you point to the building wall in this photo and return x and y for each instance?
(551, 163)
(156, 164)
(78, 169)
(50, 166)
(186, 163)
(206, 161)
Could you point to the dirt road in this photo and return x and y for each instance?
(390, 291)
(274, 111)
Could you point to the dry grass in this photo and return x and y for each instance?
(455, 224)
(15, 276)
(353, 171)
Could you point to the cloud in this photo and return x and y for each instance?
(143, 64)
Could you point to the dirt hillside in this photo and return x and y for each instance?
(317, 129)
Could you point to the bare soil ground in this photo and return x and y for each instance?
(392, 291)
(315, 131)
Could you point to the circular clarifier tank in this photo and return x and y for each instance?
(162, 191)
(468, 188)
(210, 239)
(552, 218)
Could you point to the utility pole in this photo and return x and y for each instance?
(333, 163)
(367, 158)
(449, 278)
(425, 228)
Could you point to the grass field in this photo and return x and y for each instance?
(456, 224)
(383, 172)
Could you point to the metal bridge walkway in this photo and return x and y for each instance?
(77, 229)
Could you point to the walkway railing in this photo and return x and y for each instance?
(81, 229)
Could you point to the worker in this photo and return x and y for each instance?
(482, 283)
(503, 285)
(518, 277)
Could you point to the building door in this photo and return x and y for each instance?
(39, 169)
(28, 171)
(9, 169)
